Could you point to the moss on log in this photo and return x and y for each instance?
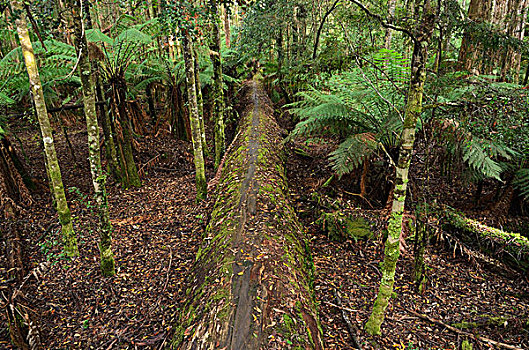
(341, 226)
(252, 283)
(511, 248)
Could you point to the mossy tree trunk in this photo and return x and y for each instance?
(218, 91)
(92, 127)
(407, 139)
(200, 103)
(252, 284)
(111, 154)
(196, 137)
(54, 171)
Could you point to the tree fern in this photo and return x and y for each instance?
(351, 153)
(55, 69)
(363, 107)
(521, 182)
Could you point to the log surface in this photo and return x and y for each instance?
(252, 283)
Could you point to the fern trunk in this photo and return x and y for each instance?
(54, 171)
(129, 169)
(94, 156)
(196, 137)
(407, 140)
(111, 152)
(218, 91)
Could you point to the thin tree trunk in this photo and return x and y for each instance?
(526, 79)
(171, 49)
(218, 91)
(389, 32)
(152, 14)
(200, 173)
(227, 31)
(150, 103)
(94, 156)
(200, 104)
(320, 28)
(421, 240)
(407, 139)
(65, 217)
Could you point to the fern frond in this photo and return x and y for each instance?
(521, 182)
(479, 155)
(351, 153)
(95, 35)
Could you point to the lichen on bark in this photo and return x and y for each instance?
(196, 130)
(412, 113)
(53, 169)
(94, 157)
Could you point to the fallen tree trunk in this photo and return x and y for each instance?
(252, 284)
(511, 248)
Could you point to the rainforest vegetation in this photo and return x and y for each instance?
(264, 174)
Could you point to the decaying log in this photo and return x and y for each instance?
(252, 283)
(469, 335)
(511, 248)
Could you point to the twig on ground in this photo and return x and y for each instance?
(340, 307)
(168, 271)
(352, 329)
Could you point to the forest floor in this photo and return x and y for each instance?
(158, 229)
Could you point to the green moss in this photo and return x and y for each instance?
(466, 345)
(341, 227)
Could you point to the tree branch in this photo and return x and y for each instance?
(383, 22)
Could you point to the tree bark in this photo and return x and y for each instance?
(196, 134)
(13, 191)
(252, 286)
(389, 32)
(227, 30)
(407, 139)
(92, 127)
(200, 104)
(111, 152)
(469, 58)
(218, 91)
(54, 171)
(508, 18)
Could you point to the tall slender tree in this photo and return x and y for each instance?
(94, 156)
(421, 38)
(218, 91)
(53, 169)
(200, 104)
(200, 172)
